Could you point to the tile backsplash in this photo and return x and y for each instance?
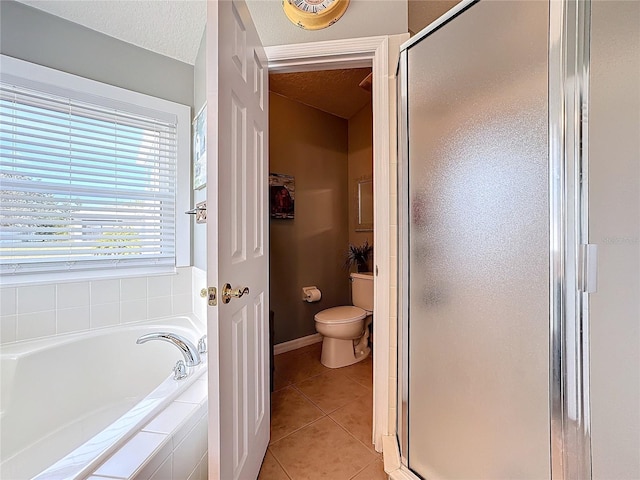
(28, 312)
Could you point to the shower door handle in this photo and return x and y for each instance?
(228, 293)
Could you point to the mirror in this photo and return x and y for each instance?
(365, 206)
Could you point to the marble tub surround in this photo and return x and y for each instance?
(321, 421)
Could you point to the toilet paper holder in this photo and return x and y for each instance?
(311, 294)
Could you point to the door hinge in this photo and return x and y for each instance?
(588, 268)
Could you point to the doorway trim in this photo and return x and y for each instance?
(376, 53)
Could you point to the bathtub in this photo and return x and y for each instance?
(70, 402)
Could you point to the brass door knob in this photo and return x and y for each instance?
(228, 293)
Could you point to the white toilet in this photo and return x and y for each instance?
(346, 329)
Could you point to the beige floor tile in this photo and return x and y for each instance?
(271, 469)
(290, 410)
(314, 348)
(361, 372)
(357, 418)
(321, 451)
(297, 368)
(279, 381)
(375, 471)
(331, 390)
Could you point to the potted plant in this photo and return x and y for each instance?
(358, 256)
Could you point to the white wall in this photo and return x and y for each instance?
(199, 230)
(38, 37)
(364, 18)
(614, 217)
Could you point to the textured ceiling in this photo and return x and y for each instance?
(332, 91)
(170, 27)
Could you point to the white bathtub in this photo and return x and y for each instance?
(69, 402)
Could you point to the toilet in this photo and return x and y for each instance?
(345, 329)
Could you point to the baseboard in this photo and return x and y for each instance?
(296, 343)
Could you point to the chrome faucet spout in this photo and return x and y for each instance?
(188, 349)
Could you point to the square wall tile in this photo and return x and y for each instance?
(186, 456)
(125, 462)
(393, 331)
(37, 298)
(204, 466)
(133, 311)
(182, 304)
(105, 315)
(393, 271)
(35, 325)
(171, 418)
(155, 462)
(105, 291)
(199, 307)
(73, 319)
(393, 210)
(196, 393)
(198, 280)
(164, 472)
(393, 180)
(393, 238)
(8, 328)
(8, 302)
(393, 299)
(133, 288)
(71, 295)
(158, 307)
(393, 362)
(392, 419)
(181, 281)
(393, 391)
(159, 286)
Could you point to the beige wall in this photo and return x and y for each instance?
(422, 12)
(311, 146)
(360, 166)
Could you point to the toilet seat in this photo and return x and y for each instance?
(340, 315)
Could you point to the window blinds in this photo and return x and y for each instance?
(83, 186)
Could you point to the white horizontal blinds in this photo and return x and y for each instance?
(83, 186)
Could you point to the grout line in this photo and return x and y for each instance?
(369, 448)
(364, 468)
(300, 428)
(280, 464)
(316, 405)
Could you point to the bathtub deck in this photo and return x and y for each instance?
(321, 420)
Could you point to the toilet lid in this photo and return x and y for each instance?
(336, 315)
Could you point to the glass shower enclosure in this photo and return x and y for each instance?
(489, 371)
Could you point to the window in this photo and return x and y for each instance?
(93, 178)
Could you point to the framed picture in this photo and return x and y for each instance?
(200, 149)
(282, 195)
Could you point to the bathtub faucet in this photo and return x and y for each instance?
(188, 349)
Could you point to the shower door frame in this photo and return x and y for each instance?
(571, 275)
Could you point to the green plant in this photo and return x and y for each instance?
(358, 256)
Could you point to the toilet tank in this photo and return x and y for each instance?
(362, 290)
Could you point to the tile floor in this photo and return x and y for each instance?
(321, 421)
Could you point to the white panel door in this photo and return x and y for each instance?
(237, 152)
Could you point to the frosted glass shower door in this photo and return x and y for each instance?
(478, 243)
